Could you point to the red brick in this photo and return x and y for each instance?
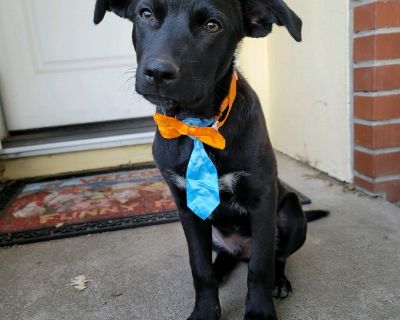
(391, 189)
(364, 163)
(364, 17)
(387, 136)
(380, 14)
(364, 135)
(377, 165)
(377, 78)
(387, 164)
(377, 108)
(377, 137)
(377, 47)
(366, 185)
(387, 14)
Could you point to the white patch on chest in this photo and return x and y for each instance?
(176, 179)
(226, 183)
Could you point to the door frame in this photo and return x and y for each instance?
(3, 127)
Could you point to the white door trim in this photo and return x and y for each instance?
(77, 145)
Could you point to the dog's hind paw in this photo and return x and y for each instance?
(282, 288)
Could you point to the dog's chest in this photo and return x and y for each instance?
(227, 183)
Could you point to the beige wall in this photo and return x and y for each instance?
(74, 162)
(305, 87)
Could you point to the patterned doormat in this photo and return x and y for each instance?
(58, 207)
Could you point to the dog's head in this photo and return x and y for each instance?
(184, 48)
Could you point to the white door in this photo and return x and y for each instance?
(58, 68)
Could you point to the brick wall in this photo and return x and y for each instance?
(377, 97)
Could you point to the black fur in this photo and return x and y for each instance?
(186, 69)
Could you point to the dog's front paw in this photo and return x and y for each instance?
(282, 288)
(260, 317)
(206, 313)
(260, 307)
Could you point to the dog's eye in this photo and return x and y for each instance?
(212, 26)
(146, 14)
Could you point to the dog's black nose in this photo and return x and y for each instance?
(160, 71)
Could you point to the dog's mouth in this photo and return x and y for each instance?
(169, 103)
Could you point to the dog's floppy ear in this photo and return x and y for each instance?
(260, 15)
(119, 7)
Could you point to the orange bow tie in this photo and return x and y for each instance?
(171, 128)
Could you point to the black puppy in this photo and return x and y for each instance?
(185, 51)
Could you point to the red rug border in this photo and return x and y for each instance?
(86, 228)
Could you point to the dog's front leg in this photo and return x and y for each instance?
(260, 280)
(199, 240)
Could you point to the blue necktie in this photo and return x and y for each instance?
(202, 190)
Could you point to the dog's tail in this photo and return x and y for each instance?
(312, 215)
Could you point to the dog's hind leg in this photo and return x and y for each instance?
(223, 265)
(283, 286)
(292, 228)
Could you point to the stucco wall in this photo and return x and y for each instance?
(305, 87)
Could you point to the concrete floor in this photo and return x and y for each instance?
(349, 267)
